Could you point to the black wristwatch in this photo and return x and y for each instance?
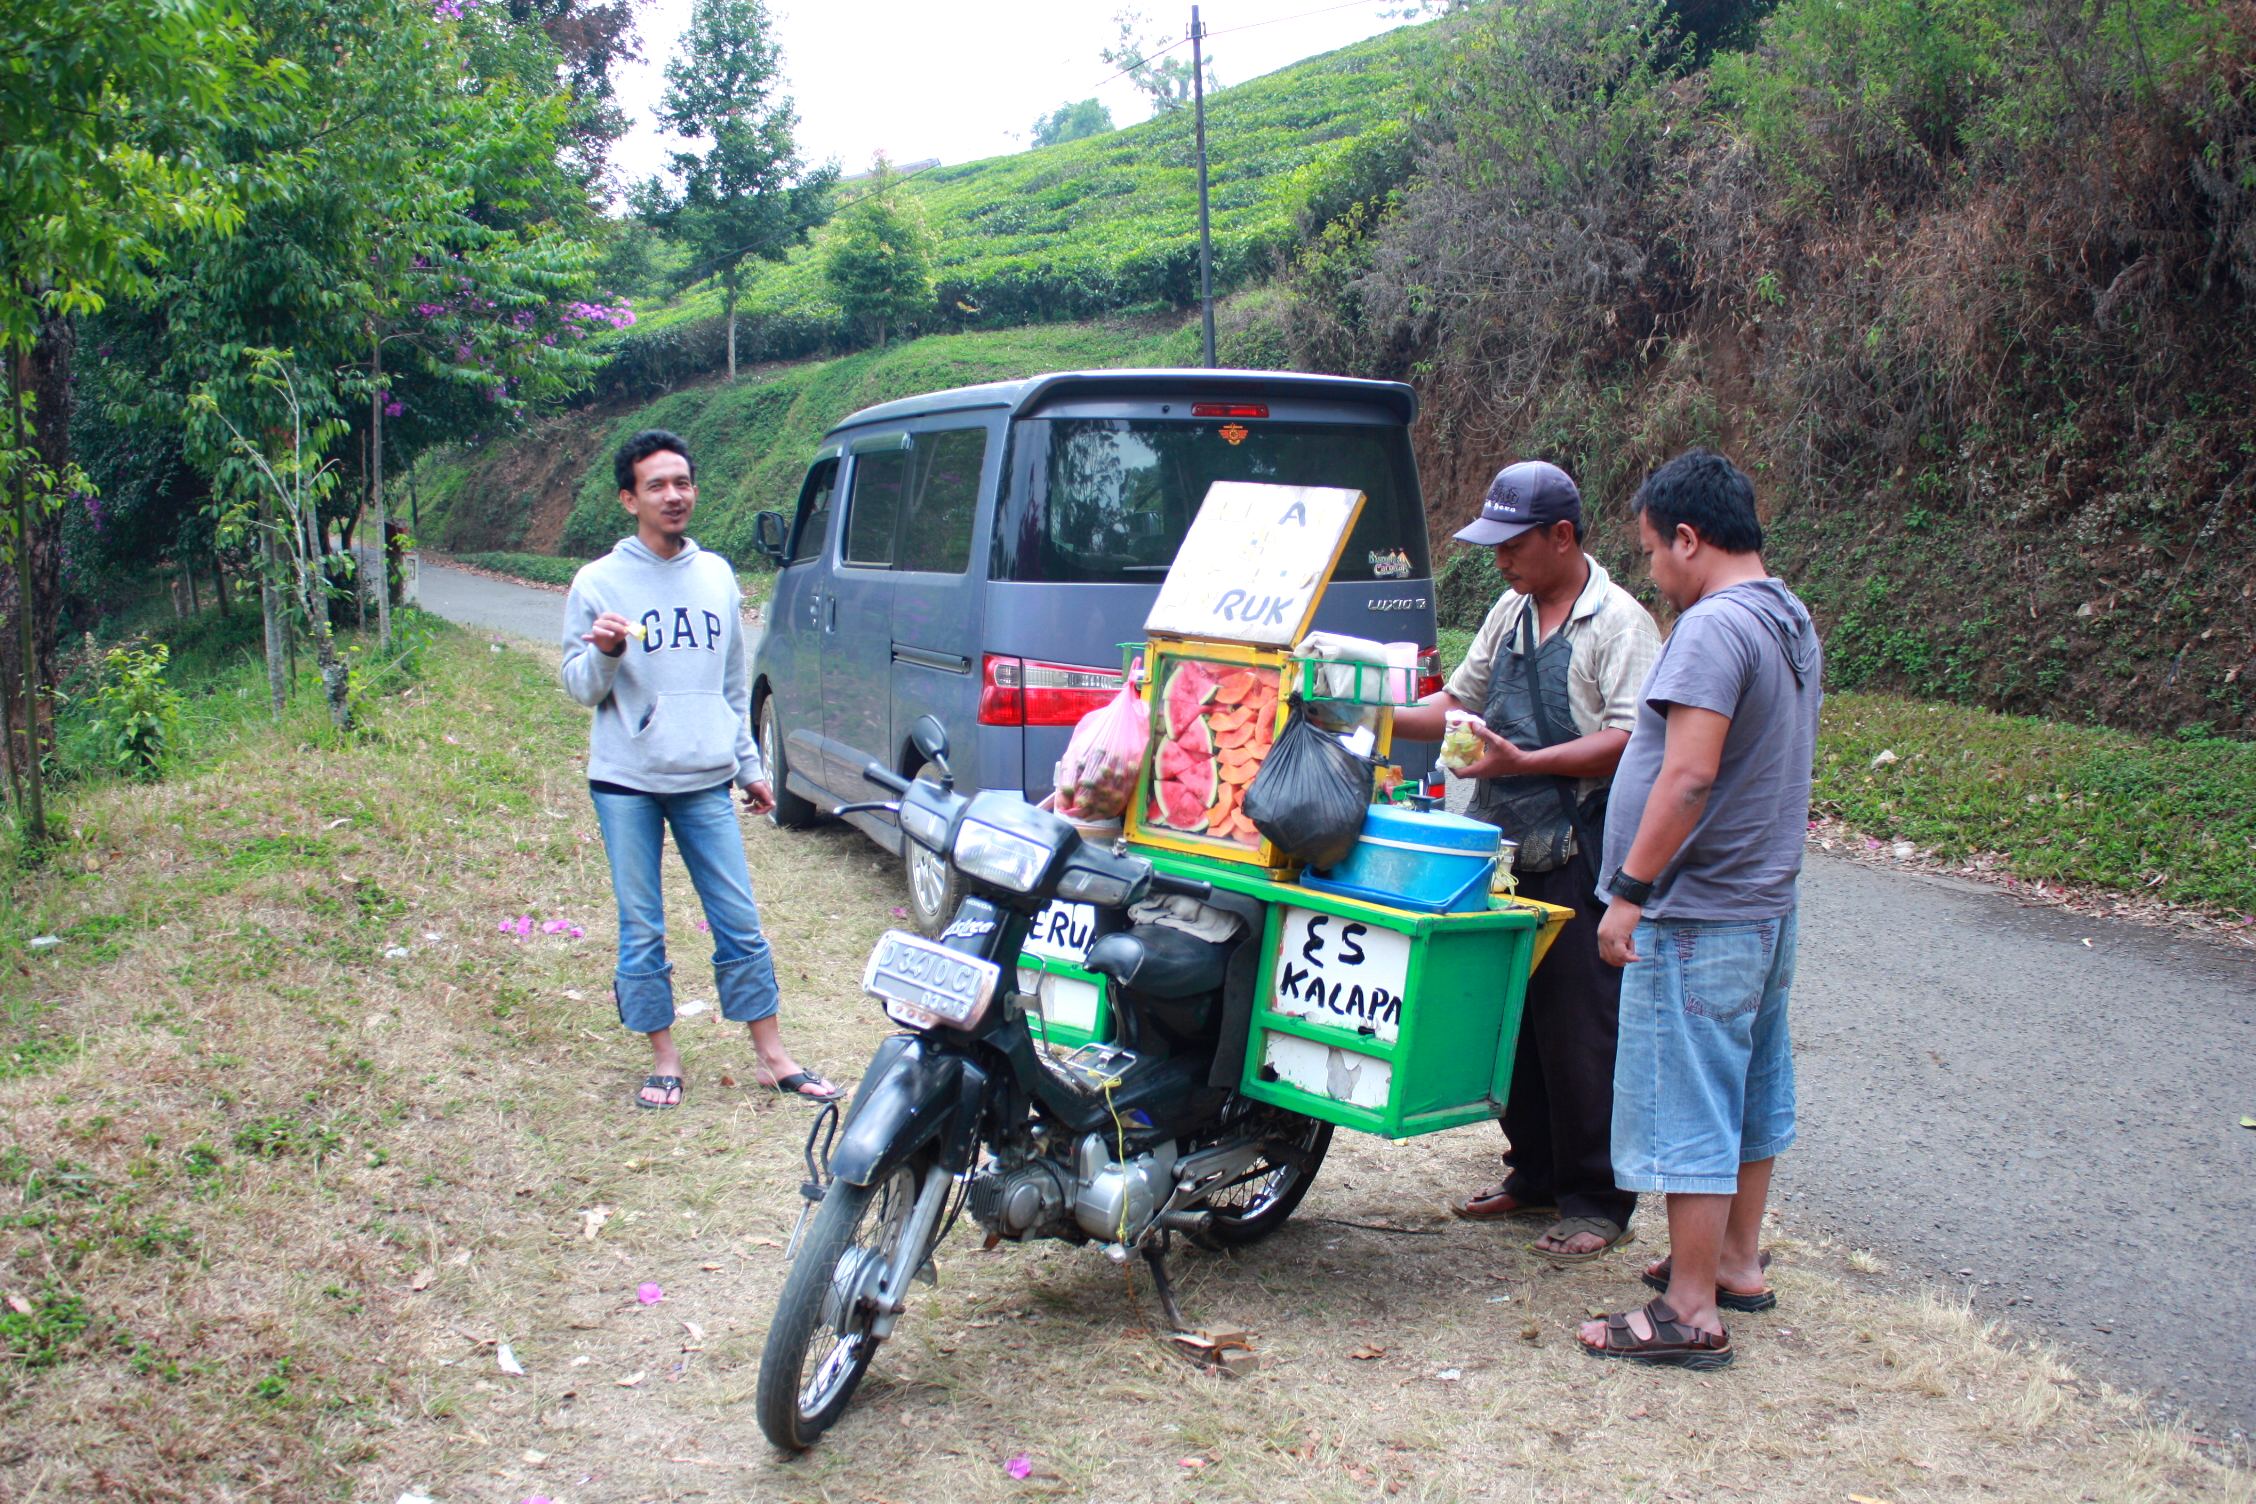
(1637, 891)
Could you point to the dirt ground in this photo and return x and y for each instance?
(300, 1139)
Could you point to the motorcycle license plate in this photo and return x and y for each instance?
(923, 983)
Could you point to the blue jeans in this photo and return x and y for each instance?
(1704, 1072)
(712, 848)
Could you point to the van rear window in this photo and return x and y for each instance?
(1107, 500)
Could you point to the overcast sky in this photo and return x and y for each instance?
(917, 79)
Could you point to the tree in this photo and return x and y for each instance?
(1071, 122)
(1165, 80)
(745, 195)
(878, 262)
(106, 110)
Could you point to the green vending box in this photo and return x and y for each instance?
(1069, 1001)
(1392, 1021)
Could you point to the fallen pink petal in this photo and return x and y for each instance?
(524, 924)
(703, 928)
(649, 1292)
(1020, 1466)
(578, 933)
(900, 913)
(556, 926)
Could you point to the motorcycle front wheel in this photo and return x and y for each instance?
(820, 1343)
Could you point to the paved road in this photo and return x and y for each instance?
(1987, 1103)
(496, 605)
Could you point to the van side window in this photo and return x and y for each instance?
(936, 535)
(813, 522)
(873, 507)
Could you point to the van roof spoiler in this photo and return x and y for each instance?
(1395, 398)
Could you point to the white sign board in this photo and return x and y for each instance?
(1334, 970)
(1063, 932)
(1067, 1002)
(1325, 1071)
(1254, 561)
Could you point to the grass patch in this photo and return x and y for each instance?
(2172, 817)
(273, 1222)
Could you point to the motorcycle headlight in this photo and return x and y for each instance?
(998, 857)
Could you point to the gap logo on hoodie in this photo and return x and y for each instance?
(673, 718)
(1749, 652)
(662, 633)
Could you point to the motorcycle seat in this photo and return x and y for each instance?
(1159, 962)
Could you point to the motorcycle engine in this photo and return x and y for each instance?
(1117, 1199)
(1013, 1201)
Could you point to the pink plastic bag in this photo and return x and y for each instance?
(1097, 776)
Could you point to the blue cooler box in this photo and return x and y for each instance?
(1414, 859)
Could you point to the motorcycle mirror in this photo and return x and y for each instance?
(930, 738)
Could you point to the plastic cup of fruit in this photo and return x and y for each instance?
(1457, 730)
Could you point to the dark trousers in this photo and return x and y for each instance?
(1558, 1122)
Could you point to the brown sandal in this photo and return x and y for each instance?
(1495, 1202)
(1612, 1234)
(1672, 1345)
(1657, 1278)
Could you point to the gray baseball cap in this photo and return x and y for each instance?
(1530, 494)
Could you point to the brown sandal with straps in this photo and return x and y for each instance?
(1729, 1299)
(1672, 1345)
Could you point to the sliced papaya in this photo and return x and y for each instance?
(1235, 687)
(1232, 719)
(1240, 737)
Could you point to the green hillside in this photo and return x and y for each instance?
(1088, 227)
(552, 491)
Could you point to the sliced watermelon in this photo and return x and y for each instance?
(1188, 690)
(1176, 761)
(1185, 807)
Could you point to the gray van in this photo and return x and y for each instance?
(981, 554)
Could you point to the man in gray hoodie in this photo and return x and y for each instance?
(1703, 852)
(654, 643)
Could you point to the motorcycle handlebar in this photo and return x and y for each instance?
(885, 778)
(1161, 882)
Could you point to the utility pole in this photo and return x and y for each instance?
(1206, 239)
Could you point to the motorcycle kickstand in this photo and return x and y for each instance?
(1155, 1255)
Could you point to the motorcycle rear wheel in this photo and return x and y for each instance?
(1252, 1209)
(820, 1344)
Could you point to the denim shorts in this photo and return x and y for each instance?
(1704, 1073)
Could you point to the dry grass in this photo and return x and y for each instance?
(256, 1137)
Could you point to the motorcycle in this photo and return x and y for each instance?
(1120, 1144)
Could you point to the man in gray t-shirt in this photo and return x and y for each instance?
(1702, 852)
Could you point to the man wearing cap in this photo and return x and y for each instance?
(1554, 672)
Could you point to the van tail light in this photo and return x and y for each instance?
(1429, 673)
(1029, 692)
(1229, 409)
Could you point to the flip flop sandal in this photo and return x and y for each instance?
(662, 1083)
(1490, 1205)
(1672, 1345)
(1657, 1278)
(789, 1086)
(1613, 1232)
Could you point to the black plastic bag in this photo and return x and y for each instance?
(1311, 794)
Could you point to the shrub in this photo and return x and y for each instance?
(133, 712)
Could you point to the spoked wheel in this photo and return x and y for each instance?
(1259, 1201)
(820, 1343)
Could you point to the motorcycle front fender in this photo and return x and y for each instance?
(913, 1094)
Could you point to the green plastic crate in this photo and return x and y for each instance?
(1390, 1021)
